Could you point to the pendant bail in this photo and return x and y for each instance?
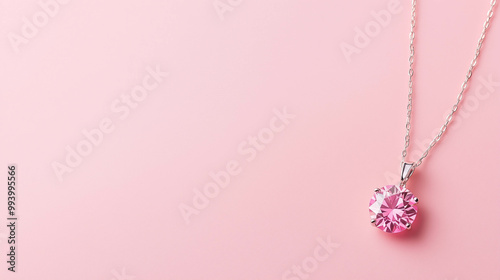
(406, 171)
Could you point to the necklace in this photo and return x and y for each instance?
(393, 208)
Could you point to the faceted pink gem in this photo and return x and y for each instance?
(393, 209)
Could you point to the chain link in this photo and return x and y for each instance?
(460, 95)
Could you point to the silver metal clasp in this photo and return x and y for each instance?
(407, 169)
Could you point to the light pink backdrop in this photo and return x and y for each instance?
(117, 214)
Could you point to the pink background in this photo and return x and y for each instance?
(117, 214)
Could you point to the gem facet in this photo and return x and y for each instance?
(393, 208)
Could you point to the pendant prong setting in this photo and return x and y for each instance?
(389, 200)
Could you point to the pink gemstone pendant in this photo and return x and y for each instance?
(393, 208)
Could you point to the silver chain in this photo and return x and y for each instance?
(460, 95)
